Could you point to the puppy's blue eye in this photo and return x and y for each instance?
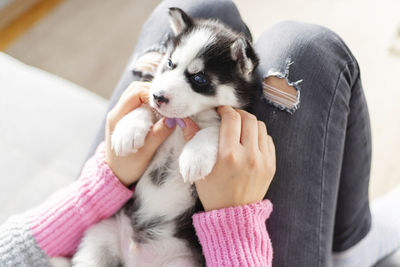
(200, 79)
(169, 64)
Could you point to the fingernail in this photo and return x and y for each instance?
(181, 123)
(170, 122)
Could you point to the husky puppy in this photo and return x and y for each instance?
(206, 65)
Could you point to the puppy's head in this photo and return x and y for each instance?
(206, 65)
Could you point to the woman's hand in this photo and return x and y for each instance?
(130, 168)
(245, 165)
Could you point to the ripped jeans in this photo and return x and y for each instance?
(322, 136)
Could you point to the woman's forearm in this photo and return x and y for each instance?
(229, 237)
(59, 224)
(56, 227)
(235, 236)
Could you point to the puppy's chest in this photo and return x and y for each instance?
(161, 197)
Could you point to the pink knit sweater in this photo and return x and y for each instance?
(235, 236)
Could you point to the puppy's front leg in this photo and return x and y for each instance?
(130, 132)
(199, 155)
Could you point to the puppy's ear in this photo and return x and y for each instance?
(179, 20)
(243, 53)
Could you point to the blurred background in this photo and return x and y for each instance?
(88, 43)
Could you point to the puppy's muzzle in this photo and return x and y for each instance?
(159, 99)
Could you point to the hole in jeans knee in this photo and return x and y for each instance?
(279, 93)
(146, 65)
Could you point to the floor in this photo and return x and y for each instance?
(89, 42)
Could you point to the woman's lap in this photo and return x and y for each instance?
(323, 147)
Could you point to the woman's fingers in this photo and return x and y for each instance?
(262, 137)
(157, 135)
(189, 129)
(136, 95)
(229, 133)
(249, 136)
(134, 86)
(161, 130)
(271, 145)
(271, 154)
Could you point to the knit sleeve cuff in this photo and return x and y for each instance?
(17, 245)
(235, 236)
(59, 223)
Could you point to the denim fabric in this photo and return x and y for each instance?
(320, 190)
(323, 149)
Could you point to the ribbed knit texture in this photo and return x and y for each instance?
(235, 236)
(59, 224)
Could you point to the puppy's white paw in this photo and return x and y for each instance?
(196, 162)
(129, 134)
(199, 155)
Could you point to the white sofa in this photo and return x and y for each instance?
(47, 125)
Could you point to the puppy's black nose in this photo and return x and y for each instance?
(160, 99)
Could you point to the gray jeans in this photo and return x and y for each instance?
(323, 147)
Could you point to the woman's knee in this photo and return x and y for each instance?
(305, 41)
(316, 53)
(324, 48)
(223, 10)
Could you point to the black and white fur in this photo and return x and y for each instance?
(206, 65)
